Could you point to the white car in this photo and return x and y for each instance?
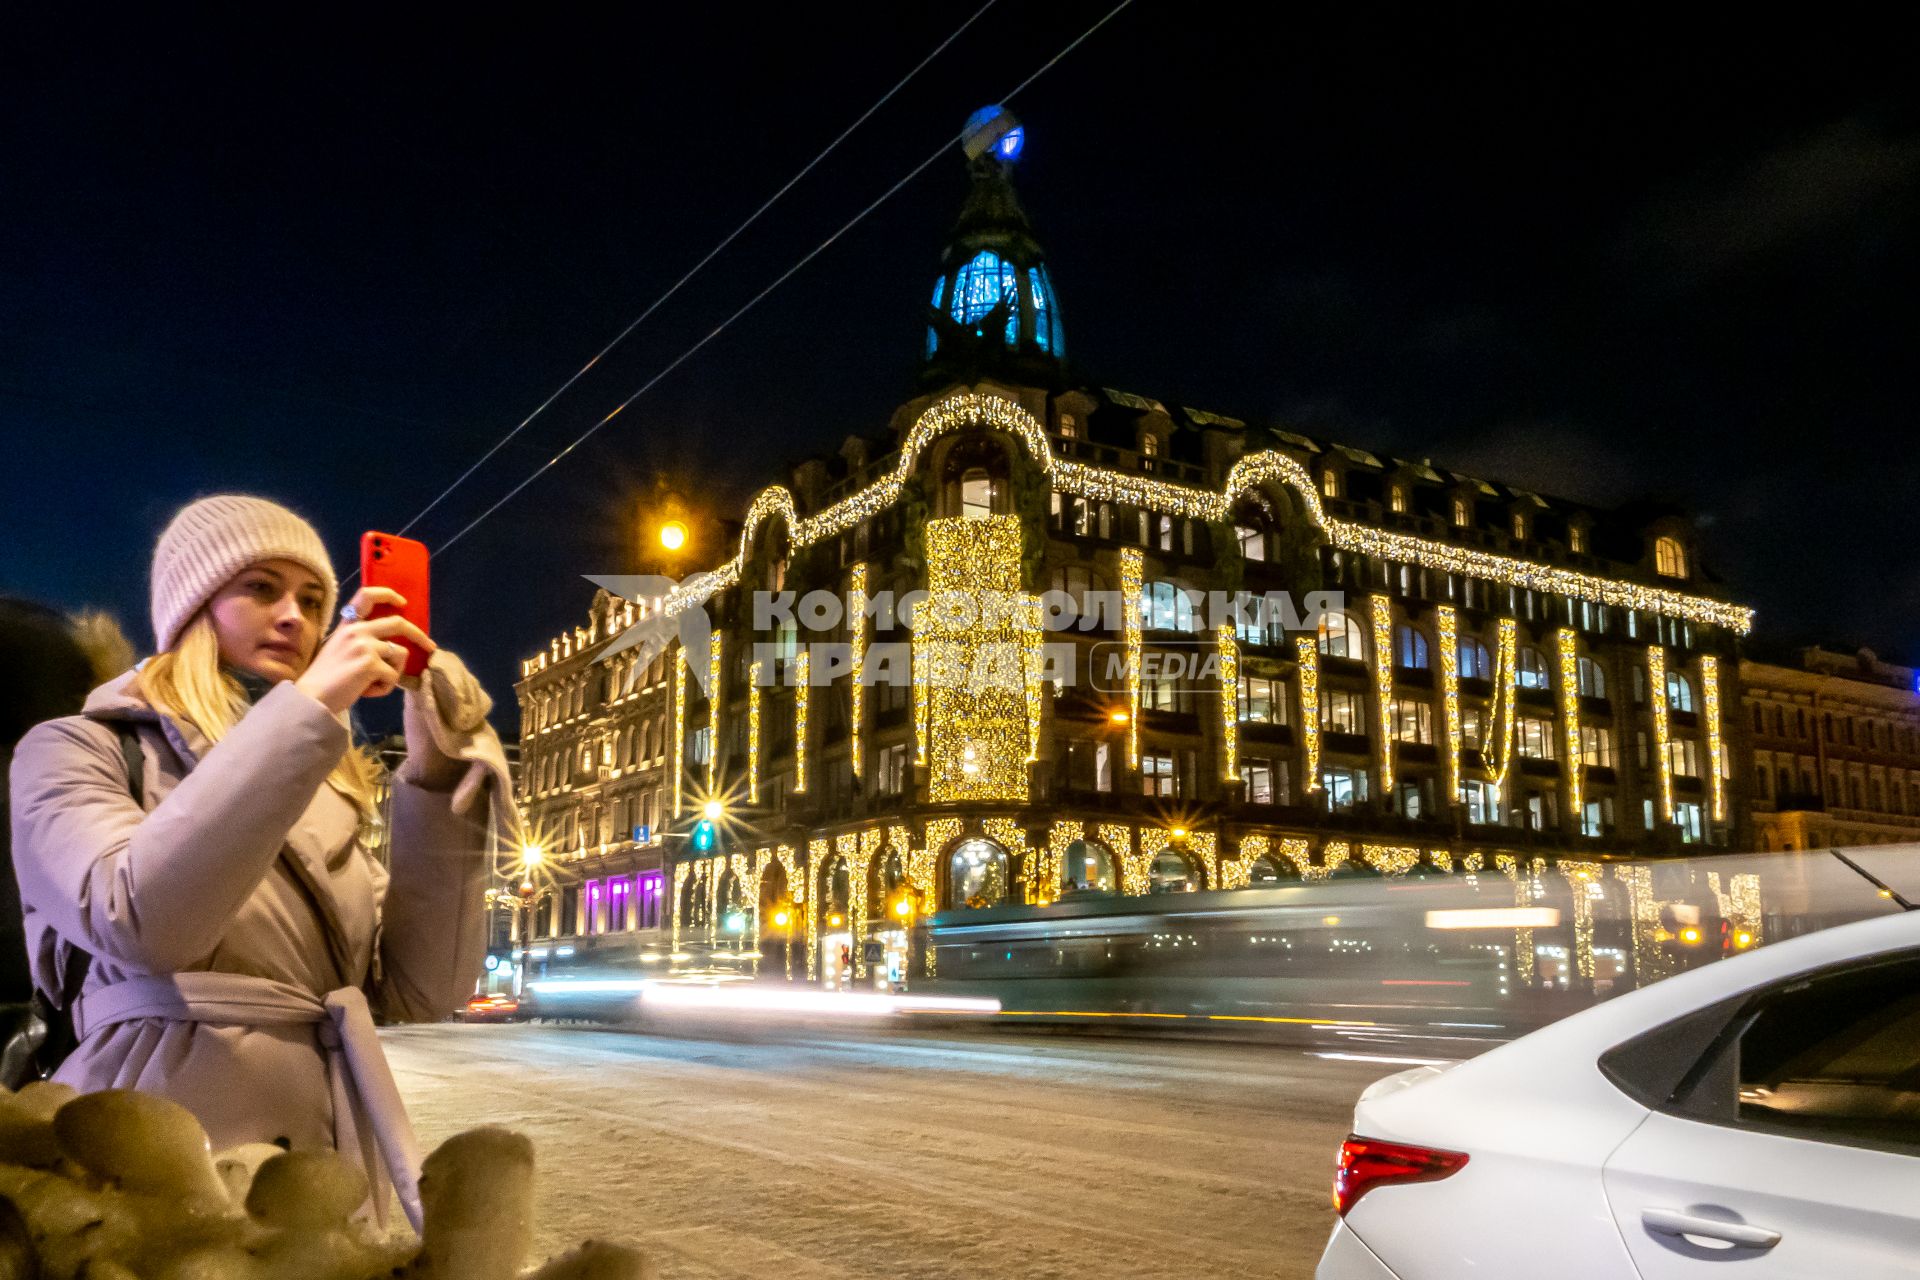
(1755, 1118)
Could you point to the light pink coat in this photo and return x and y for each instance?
(246, 861)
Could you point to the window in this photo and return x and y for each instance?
(1342, 711)
(1535, 738)
(1481, 800)
(1688, 817)
(1156, 775)
(1266, 780)
(1172, 872)
(1086, 868)
(1592, 678)
(1410, 648)
(1532, 668)
(1330, 483)
(1262, 701)
(1346, 788)
(1412, 721)
(891, 775)
(1519, 526)
(1165, 607)
(1411, 798)
(1340, 636)
(1068, 427)
(1596, 818)
(1475, 664)
(976, 494)
(1150, 445)
(1577, 539)
(1639, 685)
(977, 875)
(1253, 542)
(1596, 746)
(1669, 558)
(1397, 498)
(980, 286)
(1679, 692)
(1462, 512)
(1166, 533)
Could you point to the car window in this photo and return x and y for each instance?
(1836, 1056)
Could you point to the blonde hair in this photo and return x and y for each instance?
(187, 683)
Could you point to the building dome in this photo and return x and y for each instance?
(993, 308)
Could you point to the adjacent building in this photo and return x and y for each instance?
(1836, 750)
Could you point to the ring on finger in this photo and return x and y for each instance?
(349, 614)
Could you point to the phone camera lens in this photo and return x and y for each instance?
(379, 554)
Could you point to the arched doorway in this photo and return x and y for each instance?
(1172, 871)
(1087, 868)
(735, 920)
(892, 913)
(1265, 871)
(976, 874)
(836, 924)
(777, 919)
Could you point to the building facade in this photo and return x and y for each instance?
(1155, 648)
(1836, 750)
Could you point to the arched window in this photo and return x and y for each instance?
(1593, 679)
(1086, 867)
(1397, 498)
(985, 282)
(976, 494)
(1340, 636)
(1474, 662)
(1669, 557)
(1410, 648)
(1265, 871)
(1532, 672)
(1173, 872)
(977, 875)
(1330, 483)
(1150, 445)
(1679, 692)
(1462, 512)
(1165, 607)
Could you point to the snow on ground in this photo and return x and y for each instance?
(962, 1156)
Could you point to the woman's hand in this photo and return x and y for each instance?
(362, 659)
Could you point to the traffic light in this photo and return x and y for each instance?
(703, 836)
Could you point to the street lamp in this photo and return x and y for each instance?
(673, 535)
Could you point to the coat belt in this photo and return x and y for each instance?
(369, 1118)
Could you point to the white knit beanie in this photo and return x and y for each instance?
(213, 539)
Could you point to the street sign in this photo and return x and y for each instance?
(642, 834)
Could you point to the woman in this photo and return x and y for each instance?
(235, 914)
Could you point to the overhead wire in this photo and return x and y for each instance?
(784, 276)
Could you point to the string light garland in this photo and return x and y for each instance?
(1716, 751)
(753, 732)
(1522, 897)
(1132, 573)
(1446, 624)
(1568, 641)
(715, 705)
(1649, 961)
(964, 410)
(1390, 859)
(1119, 840)
(1033, 664)
(1060, 835)
(1012, 838)
(1309, 708)
(925, 866)
(1229, 649)
(816, 866)
(1382, 613)
(974, 632)
(1583, 882)
(1333, 855)
(1657, 694)
(1505, 697)
(679, 731)
(921, 692)
(802, 698)
(857, 635)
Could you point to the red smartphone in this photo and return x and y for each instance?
(387, 560)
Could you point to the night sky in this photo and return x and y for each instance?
(332, 264)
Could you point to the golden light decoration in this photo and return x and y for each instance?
(715, 706)
(1657, 678)
(1309, 707)
(1390, 859)
(857, 635)
(1522, 897)
(1053, 858)
(1569, 645)
(1583, 878)
(1446, 625)
(1033, 664)
(1716, 750)
(1205, 846)
(973, 634)
(1748, 914)
(1132, 572)
(753, 732)
(1333, 855)
(1649, 961)
(921, 696)
(816, 864)
(1229, 647)
(802, 698)
(1382, 612)
(924, 864)
(680, 873)
(964, 410)
(679, 730)
(1134, 876)
(1237, 873)
(673, 535)
(1504, 710)
(1010, 836)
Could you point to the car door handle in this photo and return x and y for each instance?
(1671, 1222)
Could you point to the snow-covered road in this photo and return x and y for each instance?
(919, 1155)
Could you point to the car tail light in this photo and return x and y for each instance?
(1366, 1163)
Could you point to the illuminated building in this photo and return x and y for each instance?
(1484, 692)
(1834, 742)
